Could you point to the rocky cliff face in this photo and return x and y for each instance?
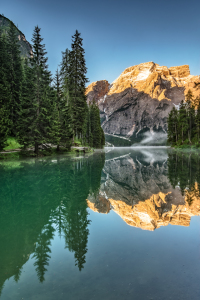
(141, 194)
(139, 100)
(25, 47)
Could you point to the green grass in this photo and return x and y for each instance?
(77, 142)
(11, 144)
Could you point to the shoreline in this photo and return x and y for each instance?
(18, 153)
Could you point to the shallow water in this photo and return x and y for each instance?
(119, 224)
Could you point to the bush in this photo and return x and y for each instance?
(11, 144)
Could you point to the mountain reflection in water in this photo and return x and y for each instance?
(148, 190)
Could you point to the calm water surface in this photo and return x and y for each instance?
(120, 224)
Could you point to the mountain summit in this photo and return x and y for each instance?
(137, 103)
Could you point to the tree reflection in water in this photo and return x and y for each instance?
(39, 197)
(184, 172)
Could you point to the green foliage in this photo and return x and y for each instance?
(95, 132)
(36, 112)
(184, 124)
(15, 76)
(11, 144)
(61, 116)
(76, 84)
(184, 171)
(5, 95)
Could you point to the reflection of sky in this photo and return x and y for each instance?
(121, 261)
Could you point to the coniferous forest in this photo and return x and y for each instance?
(39, 110)
(184, 122)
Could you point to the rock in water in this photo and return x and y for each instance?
(135, 107)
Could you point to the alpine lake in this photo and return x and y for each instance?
(120, 224)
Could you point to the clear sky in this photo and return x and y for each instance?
(116, 34)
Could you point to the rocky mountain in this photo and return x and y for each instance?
(25, 46)
(139, 191)
(136, 105)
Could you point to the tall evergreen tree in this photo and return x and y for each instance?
(173, 126)
(15, 75)
(27, 107)
(5, 96)
(62, 119)
(95, 132)
(64, 75)
(77, 82)
(182, 122)
(190, 114)
(43, 91)
(39, 111)
(197, 117)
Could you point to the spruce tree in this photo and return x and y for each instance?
(95, 132)
(64, 74)
(15, 76)
(197, 118)
(173, 126)
(62, 119)
(39, 111)
(27, 107)
(77, 82)
(5, 96)
(183, 125)
(89, 130)
(190, 114)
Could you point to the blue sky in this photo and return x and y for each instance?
(116, 34)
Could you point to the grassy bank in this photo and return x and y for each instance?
(13, 150)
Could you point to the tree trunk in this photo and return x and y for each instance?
(176, 134)
(182, 134)
(36, 148)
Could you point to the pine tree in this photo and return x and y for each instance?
(27, 107)
(5, 96)
(64, 75)
(38, 112)
(183, 125)
(77, 81)
(89, 131)
(190, 114)
(173, 126)
(15, 76)
(95, 132)
(62, 120)
(197, 117)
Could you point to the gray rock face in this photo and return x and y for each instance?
(25, 46)
(136, 105)
(133, 178)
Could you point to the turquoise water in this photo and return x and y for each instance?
(119, 224)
